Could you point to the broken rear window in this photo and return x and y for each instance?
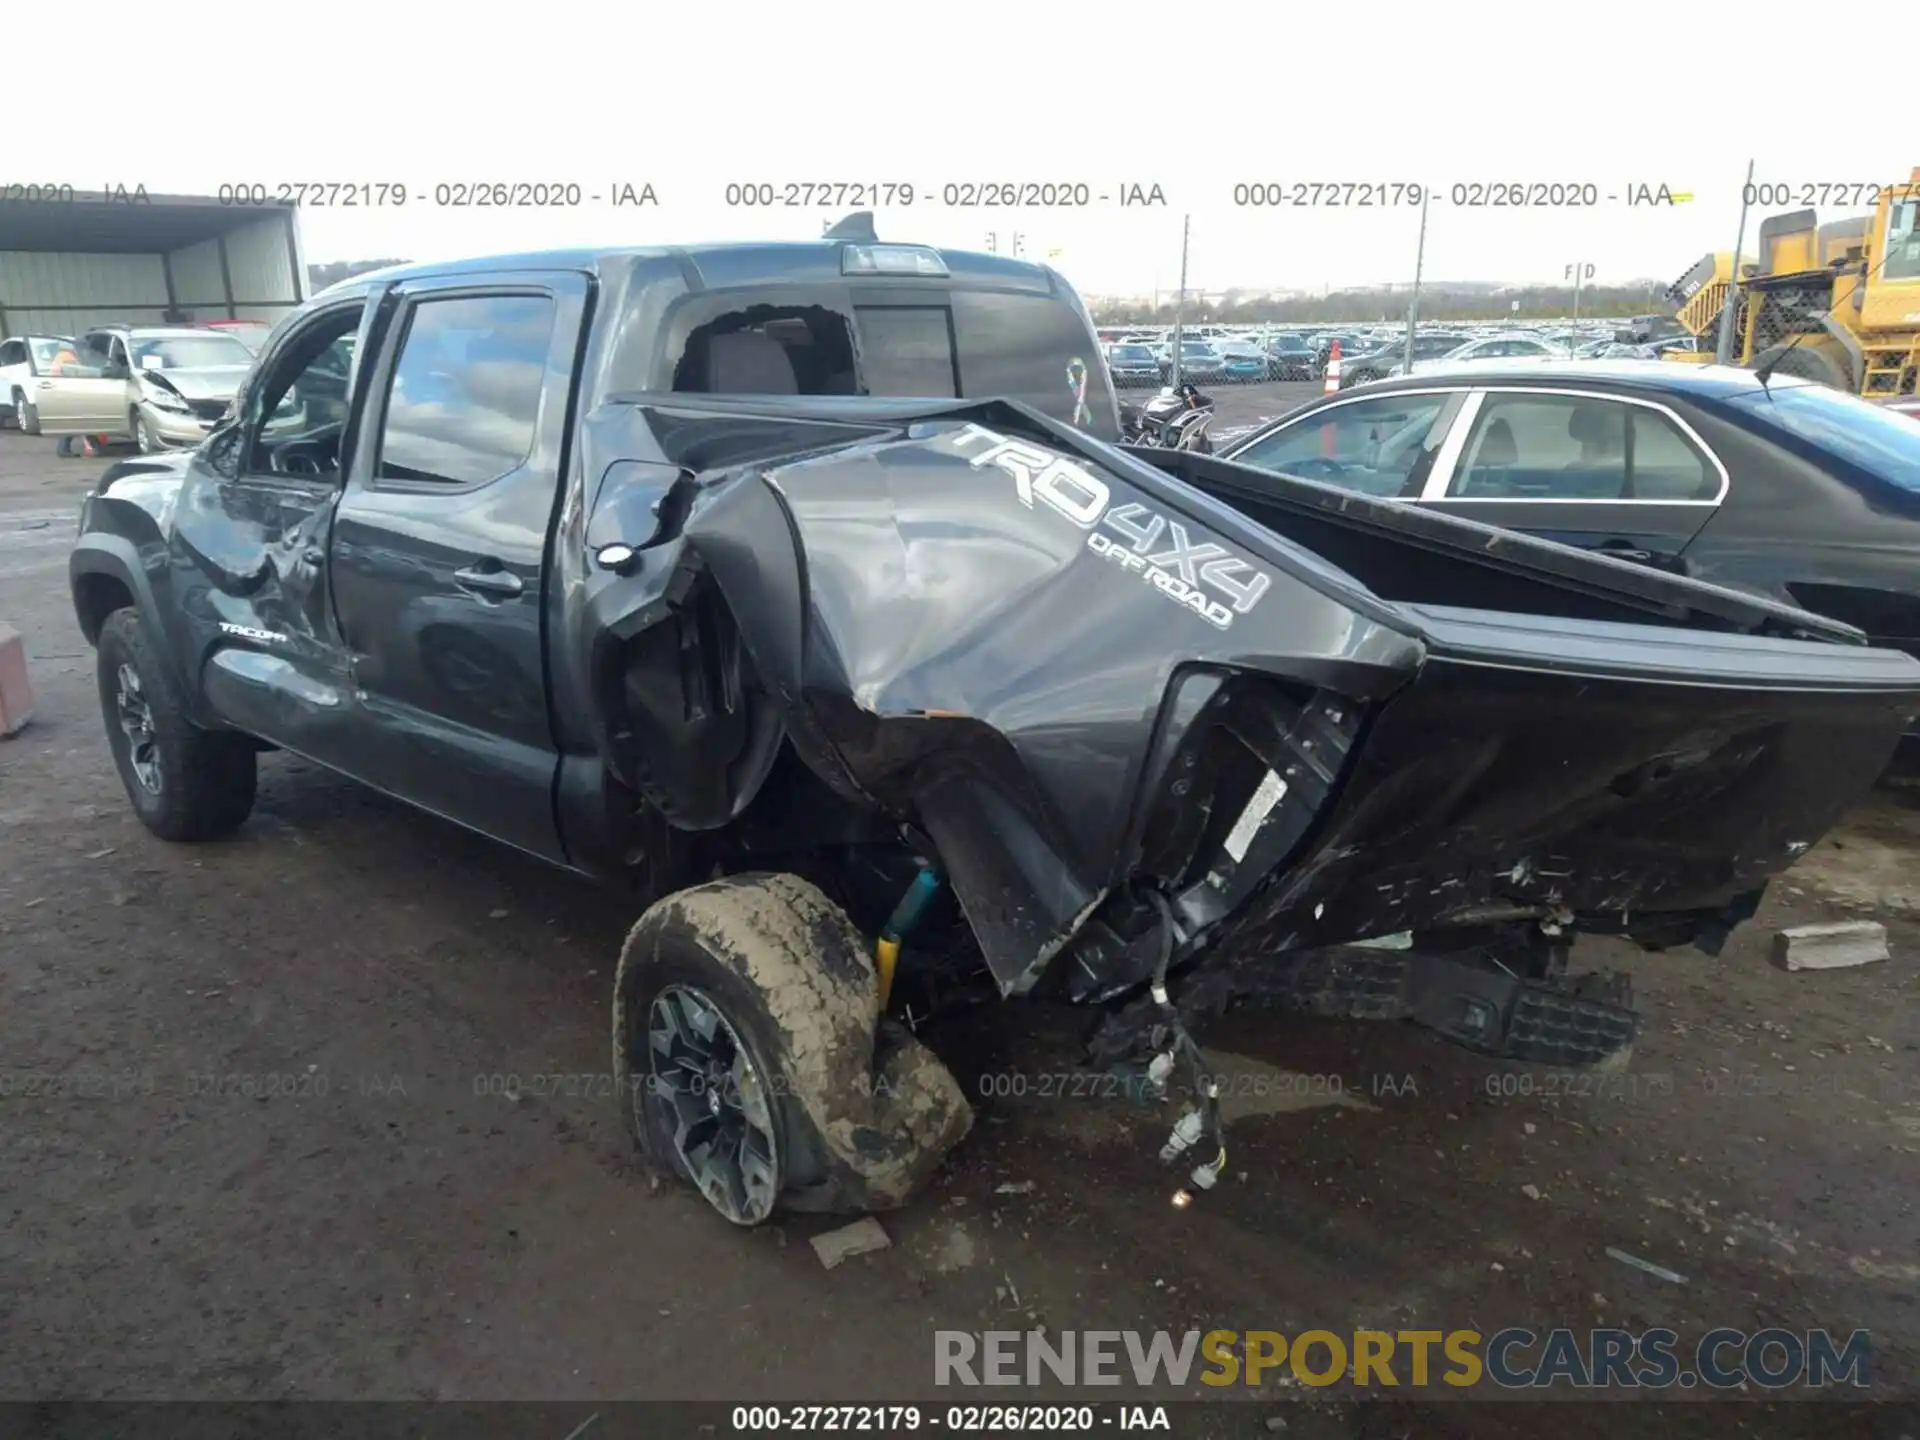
(769, 350)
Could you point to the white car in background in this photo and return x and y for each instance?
(1489, 347)
(48, 388)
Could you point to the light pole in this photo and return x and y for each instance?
(1580, 271)
(1419, 266)
(1723, 343)
(1180, 304)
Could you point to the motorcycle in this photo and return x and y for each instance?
(1175, 419)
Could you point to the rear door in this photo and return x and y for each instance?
(1607, 472)
(439, 570)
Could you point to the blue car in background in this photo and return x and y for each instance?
(1242, 364)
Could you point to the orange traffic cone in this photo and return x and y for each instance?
(1332, 386)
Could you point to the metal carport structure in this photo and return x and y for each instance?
(97, 258)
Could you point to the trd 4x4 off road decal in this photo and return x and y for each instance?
(1152, 545)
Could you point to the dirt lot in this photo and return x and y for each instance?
(392, 1229)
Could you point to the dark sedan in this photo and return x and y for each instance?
(1289, 358)
(1132, 365)
(1786, 489)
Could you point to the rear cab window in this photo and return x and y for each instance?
(975, 336)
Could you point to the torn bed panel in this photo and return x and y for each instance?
(1083, 679)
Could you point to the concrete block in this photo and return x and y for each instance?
(16, 694)
(860, 1238)
(1830, 947)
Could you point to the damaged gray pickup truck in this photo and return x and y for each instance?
(807, 590)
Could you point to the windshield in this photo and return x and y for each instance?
(251, 336)
(190, 352)
(1133, 352)
(1882, 442)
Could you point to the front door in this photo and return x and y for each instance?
(1613, 474)
(249, 546)
(440, 544)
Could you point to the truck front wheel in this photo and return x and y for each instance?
(185, 783)
(753, 1063)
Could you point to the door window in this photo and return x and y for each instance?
(1544, 447)
(13, 352)
(466, 390)
(298, 408)
(1662, 464)
(1903, 241)
(1383, 446)
(1578, 447)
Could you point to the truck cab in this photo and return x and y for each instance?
(358, 562)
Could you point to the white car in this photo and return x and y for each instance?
(176, 382)
(47, 388)
(1490, 347)
(23, 360)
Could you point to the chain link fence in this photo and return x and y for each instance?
(1242, 337)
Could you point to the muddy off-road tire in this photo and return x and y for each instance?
(765, 986)
(184, 783)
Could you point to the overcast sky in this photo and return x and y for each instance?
(691, 98)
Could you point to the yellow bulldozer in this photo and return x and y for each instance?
(1838, 303)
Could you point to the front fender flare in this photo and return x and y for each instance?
(98, 556)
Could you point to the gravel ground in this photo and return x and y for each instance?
(391, 1229)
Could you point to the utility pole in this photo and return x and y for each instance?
(1723, 346)
(1581, 271)
(1419, 268)
(1180, 304)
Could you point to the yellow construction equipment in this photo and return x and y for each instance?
(1838, 303)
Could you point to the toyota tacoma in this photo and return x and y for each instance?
(807, 590)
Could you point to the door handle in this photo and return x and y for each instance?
(1620, 550)
(488, 582)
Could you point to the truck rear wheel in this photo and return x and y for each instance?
(752, 1062)
(184, 783)
(1805, 362)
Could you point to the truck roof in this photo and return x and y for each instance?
(720, 266)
